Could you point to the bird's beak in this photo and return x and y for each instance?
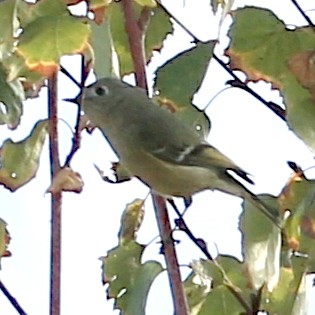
(75, 100)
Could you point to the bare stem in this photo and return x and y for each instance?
(308, 20)
(135, 37)
(76, 140)
(12, 300)
(165, 230)
(236, 82)
(55, 250)
(135, 29)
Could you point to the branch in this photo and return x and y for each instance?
(13, 301)
(70, 76)
(177, 289)
(135, 30)
(308, 20)
(55, 250)
(200, 243)
(276, 109)
(272, 106)
(135, 37)
(181, 224)
(76, 139)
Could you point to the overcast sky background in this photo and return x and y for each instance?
(242, 128)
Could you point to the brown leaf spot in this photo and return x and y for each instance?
(293, 243)
(99, 14)
(308, 226)
(302, 65)
(165, 102)
(240, 61)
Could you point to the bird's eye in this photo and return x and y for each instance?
(101, 90)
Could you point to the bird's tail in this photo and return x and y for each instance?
(238, 189)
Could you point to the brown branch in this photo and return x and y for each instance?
(135, 37)
(55, 249)
(135, 30)
(177, 289)
(12, 300)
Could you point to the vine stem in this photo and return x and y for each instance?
(55, 243)
(135, 30)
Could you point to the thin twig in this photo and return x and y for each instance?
(70, 76)
(12, 300)
(200, 243)
(276, 109)
(55, 250)
(308, 20)
(185, 28)
(181, 224)
(272, 106)
(76, 139)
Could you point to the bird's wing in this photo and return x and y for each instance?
(202, 155)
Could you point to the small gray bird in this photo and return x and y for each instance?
(155, 146)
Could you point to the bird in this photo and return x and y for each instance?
(159, 149)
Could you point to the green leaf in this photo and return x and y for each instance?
(61, 34)
(271, 52)
(128, 279)
(101, 40)
(221, 301)
(19, 161)
(213, 282)
(11, 98)
(148, 3)
(4, 240)
(208, 271)
(8, 27)
(261, 244)
(196, 290)
(179, 79)
(288, 297)
(120, 38)
(158, 27)
(197, 119)
(300, 110)
(131, 220)
(29, 12)
(96, 4)
(298, 197)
